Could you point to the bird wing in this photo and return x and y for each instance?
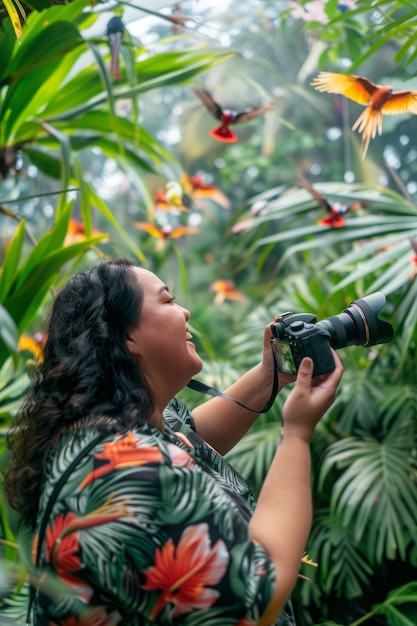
(249, 114)
(356, 88)
(401, 102)
(316, 195)
(180, 231)
(149, 228)
(209, 103)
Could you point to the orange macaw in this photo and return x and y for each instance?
(377, 98)
(227, 117)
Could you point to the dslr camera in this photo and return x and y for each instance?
(300, 335)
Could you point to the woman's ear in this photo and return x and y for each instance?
(132, 344)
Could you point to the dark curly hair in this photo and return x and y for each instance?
(86, 372)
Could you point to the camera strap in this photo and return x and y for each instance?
(203, 388)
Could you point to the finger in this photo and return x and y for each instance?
(305, 371)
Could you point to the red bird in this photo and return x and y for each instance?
(334, 210)
(227, 117)
(377, 98)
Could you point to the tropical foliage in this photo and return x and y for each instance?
(84, 164)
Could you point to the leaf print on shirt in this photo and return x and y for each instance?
(62, 550)
(184, 573)
(123, 452)
(92, 617)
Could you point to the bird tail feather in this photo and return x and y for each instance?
(368, 123)
(223, 134)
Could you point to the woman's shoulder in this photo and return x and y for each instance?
(178, 416)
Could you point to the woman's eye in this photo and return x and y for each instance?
(171, 300)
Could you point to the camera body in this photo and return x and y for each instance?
(304, 337)
(300, 335)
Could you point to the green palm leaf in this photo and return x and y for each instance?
(376, 490)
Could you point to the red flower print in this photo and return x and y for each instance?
(122, 453)
(183, 573)
(62, 541)
(63, 549)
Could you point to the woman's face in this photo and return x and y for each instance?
(160, 341)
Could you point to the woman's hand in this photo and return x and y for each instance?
(269, 363)
(310, 399)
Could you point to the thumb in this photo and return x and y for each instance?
(305, 371)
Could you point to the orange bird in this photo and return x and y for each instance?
(162, 233)
(196, 188)
(226, 290)
(227, 117)
(378, 99)
(76, 232)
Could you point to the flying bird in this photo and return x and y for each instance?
(334, 210)
(378, 99)
(163, 233)
(227, 117)
(115, 29)
(226, 290)
(198, 189)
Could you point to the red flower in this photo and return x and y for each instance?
(183, 573)
(122, 453)
(61, 547)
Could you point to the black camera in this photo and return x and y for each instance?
(300, 334)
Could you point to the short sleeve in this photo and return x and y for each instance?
(167, 540)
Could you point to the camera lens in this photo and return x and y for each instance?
(359, 324)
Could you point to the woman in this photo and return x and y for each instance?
(147, 523)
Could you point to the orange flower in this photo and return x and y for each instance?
(122, 453)
(183, 573)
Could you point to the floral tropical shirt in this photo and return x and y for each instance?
(150, 528)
